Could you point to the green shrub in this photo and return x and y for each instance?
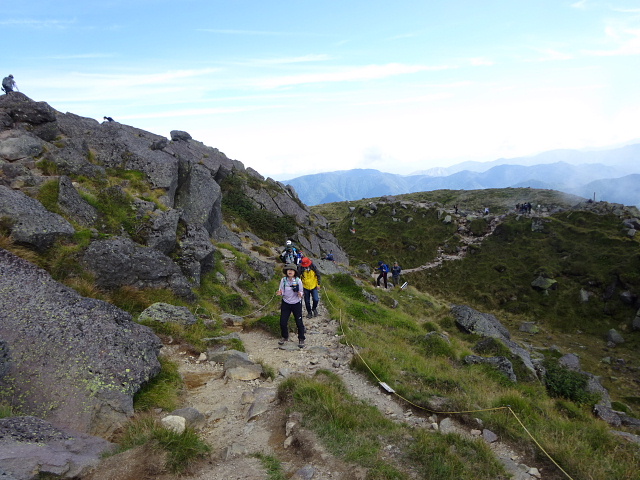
(569, 384)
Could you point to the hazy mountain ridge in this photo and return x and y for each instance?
(610, 174)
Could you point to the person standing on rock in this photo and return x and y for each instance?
(291, 290)
(9, 84)
(310, 277)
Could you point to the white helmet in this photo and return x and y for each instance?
(288, 242)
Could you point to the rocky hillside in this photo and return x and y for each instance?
(105, 207)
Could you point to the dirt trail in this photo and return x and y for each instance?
(236, 435)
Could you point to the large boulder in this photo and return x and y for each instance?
(31, 448)
(487, 325)
(22, 109)
(32, 223)
(73, 205)
(73, 361)
(483, 324)
(199, 197)
(195, 253)
(119, 261)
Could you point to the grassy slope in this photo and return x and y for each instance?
(579, 249)
(392, 346)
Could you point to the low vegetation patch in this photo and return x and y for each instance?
(182, 449)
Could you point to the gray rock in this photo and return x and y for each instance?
(370, 296)
(31, 448)
(33, 224)
(231, 320)
(487, 325)
(484, 324)
(244, 372)
(165, 313)
(20, 145)
(489, 436)
(606, 413)
(175, 423)
(71, 157)
(635, 324)
(570, 361)
(305, 473)
(502, 364)
(195, 253)
(199, 197)
(224, 356)
(615, 337)
(192, 416)
(73, 205)
(22, 109)
(114, 145)
(627, 436)
(119, 261)
(162, 230)
(584, 295)
(257, 408)
(48, 327)
(544, 284)
(179, 135)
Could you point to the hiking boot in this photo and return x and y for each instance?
(283, 341)
(315, 312)
(309, 315)
(301, 344)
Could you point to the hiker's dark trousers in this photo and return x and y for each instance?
(383, 276)
(286, 309)
(308, 295)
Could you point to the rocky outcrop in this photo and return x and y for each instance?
(120, 261)
(74, 205)
(73, 361)
(31, 448)
(165, 312)
(487, 325)
(31, 223)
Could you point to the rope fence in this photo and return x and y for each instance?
(506, 407)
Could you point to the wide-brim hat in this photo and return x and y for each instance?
(306, 262)
(289, 266)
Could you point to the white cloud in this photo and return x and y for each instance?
(368, 72)
(32, 23)
(625, 40)
(580, 4)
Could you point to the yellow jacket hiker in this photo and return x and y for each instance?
(310, 283)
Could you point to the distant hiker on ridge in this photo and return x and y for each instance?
(108, 119)
(9, 84)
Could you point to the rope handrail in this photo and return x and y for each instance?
(506, 407)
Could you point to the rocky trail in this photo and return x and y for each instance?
(243, 417)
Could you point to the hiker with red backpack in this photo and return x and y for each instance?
(310, 277)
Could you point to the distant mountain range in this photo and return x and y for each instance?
(611, 175)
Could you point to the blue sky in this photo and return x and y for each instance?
(297, 87)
